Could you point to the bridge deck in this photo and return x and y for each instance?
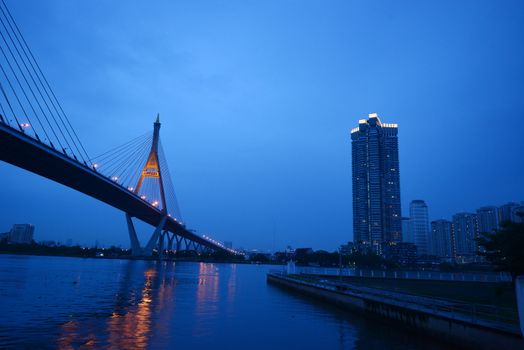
(27, 153)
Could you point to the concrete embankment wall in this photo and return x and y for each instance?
(458, 332)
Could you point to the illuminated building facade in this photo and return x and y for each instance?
(419, 225)
(465, 231)
(441, 239)
(488, 219)
(376, 181)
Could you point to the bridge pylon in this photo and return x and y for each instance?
(150, 170)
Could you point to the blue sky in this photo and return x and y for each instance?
(257, 99)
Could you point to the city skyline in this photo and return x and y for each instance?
(256, 128)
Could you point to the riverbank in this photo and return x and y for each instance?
(125, 257)
(451, 321)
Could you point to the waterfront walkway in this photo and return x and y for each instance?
(495, 317)
(484, 326)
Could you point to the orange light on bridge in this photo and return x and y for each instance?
(114, 178)
(130, 188)
(143, 197)
(155, 203)
(25, 125)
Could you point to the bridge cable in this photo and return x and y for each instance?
(3, 116)
(36, 85)
(125, 161)
(118, 166)
(135, 168)
(111, 158)
(24, 92)
(17, 99)
(43, 76)
(34, 82)
(10, 107)
(169, 183)
(98, 157)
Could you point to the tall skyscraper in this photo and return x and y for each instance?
(441, 239)
(376, 181)
(488, 219)
(465, 231)
(418, 212)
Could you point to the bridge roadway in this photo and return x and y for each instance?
(27, 153)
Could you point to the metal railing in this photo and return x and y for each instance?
(400, 274)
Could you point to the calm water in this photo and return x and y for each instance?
(54, 302)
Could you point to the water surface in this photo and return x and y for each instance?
(58, 302)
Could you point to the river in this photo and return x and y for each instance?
(60, 302)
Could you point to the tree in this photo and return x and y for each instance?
(260, 258)
(504, 248)
(368, 260)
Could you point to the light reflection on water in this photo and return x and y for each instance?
(70, 303)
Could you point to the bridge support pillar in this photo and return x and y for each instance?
(178, 243)
(136, 250)
(161, 245)
(170, 242)
(148, 249)
(135, 244)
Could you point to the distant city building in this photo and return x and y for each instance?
(418, 212)
(488, 219)
(442, 239)
(465, 231)
(21, 234)
(376, 181)
(508, 212)
(49, 243)
(518, 213)
(228, 244)
(4, 237)
(403, 253)
(304, 251)
(367, 247)
(347, 249)
(407, 233)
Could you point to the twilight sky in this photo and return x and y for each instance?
(257, 99)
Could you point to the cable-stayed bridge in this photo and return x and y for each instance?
(36, 134)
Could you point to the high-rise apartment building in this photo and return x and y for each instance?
(518, 213)
(441, 239)
(465, 231)
(376, 181)
(21, 233)
(418, 216)
(488, 219)
(407, 234)
(508, 212)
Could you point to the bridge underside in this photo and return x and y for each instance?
(23, 151)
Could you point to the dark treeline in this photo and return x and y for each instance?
(62, 250)
(327, 259)
(111, 252)
(323, 258)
